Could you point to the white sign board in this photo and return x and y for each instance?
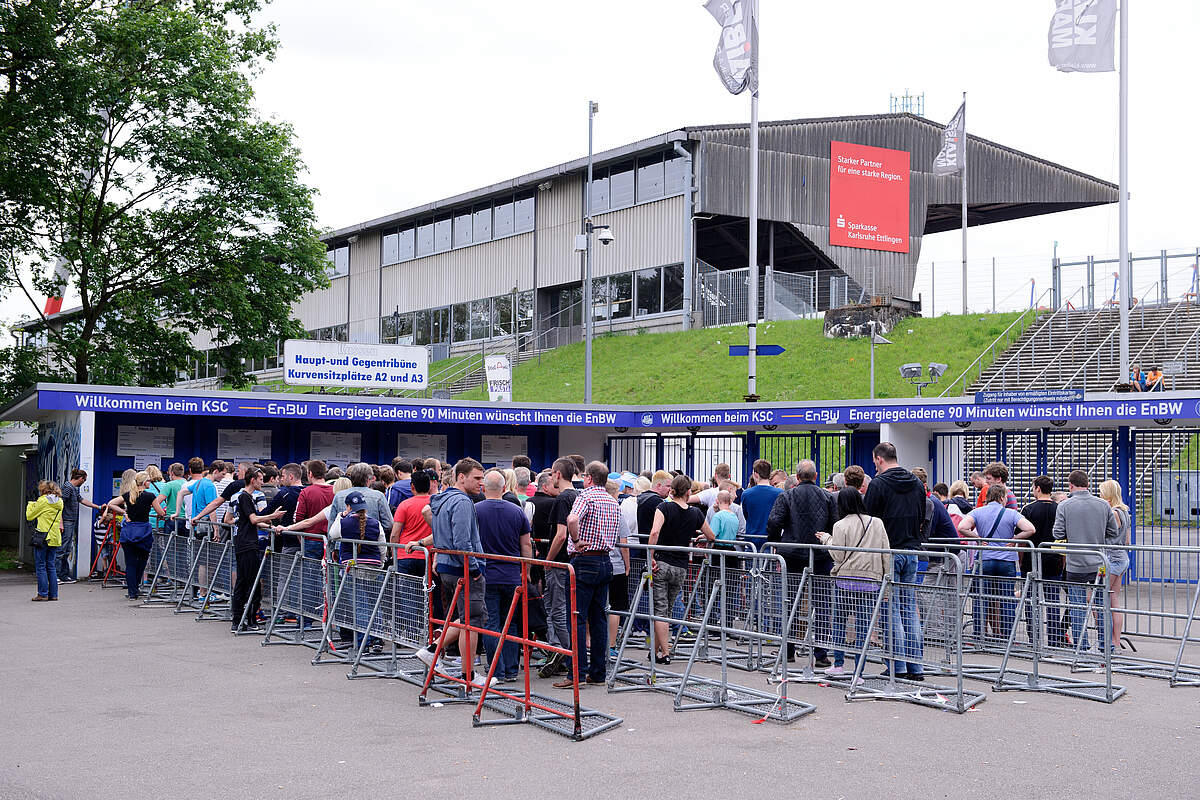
(499, 378)
(364, 366)
(133, 440)
(143, 460)
(499, 450)
(421, 445)
(243, 444)
(332, 447)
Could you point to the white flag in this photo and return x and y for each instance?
(736, 59)
(949, 159)
(1082, 35)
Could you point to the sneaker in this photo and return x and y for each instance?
(916, 676)
(38, 598)
(835, 672)
(67, 580)
(664, 660)
(552, 667)
(426, 656)
(856, 682)
(478, 679)
(821, 662)
(613, 653)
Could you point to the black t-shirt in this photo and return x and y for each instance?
(543, 528)
(562, 509)
(678, 530)
(647, 504)
(246, 536)
(139, 510)
(1041, 513)
(286, 498)
(232, 488)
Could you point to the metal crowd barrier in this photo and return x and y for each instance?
(299, 591)
(209, 584)
(727, 616)
(896, 624)
(566, 718)
(168, 566)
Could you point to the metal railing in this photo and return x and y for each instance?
(1020, 324)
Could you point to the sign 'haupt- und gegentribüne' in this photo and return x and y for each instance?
(307, 362)
(868, 197)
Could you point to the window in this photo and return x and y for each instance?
(600, 302)
(441, 325)
(408, 239)
(391, 249)
(649, 291)
(333, 333)
(620, 188)
(462, 323)
(620, 296)
(523, 214)
(441, 235)
(482, 224)
(396, 329)
(503, 220)
(424, 239)
(502, 317)
(650, 178)
(570, 305)
(462, 230)
(272, 361)
(673, 288)
(599, 194)
(678, 179)
(525, 312)
(481, 319)
(339, 261)
(421, 326)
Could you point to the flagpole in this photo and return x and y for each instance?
(1125, 276)
(752, 315)
(964, 204)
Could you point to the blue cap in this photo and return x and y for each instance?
(615, 477)
(355, 501)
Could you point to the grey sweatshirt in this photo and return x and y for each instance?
(1084, 519)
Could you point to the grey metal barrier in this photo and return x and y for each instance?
(211, 575)
(299, 581)
(171, 562)
(719, 618)
(911, 627)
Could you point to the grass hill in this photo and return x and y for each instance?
(694, 366)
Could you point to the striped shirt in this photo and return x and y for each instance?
(599, 521)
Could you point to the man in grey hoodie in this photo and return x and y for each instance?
(451, 516)
(1083, 519)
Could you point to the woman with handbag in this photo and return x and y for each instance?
(136, 536)
(47, 510)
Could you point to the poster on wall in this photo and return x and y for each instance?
(421, 445)
(134, 440)
(868, 197)
(243, 444)
(335, 447)
(499, 450)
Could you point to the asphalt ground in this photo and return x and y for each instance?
(103, 698)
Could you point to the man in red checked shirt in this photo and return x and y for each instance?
(592, 529)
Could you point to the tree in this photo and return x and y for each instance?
(133, 162)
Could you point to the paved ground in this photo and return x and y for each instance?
(102, 700)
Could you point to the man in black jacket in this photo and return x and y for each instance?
(796, 517)
(898, 498)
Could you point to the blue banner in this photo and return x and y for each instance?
(930, 413)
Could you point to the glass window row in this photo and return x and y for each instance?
(476, 224)
(642, 181)
(489, 318)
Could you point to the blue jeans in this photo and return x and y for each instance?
(904, 622)
(1080, 589)
(861, 605)
(44, 563)
(592, 574)
(70, 526)
(498, 599)
(995, 592)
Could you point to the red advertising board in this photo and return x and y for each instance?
(868, 197)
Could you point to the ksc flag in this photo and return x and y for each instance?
(1082, 35)
(736, 59)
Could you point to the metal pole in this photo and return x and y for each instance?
(993, 284)
(587, 268)
(752, 317)
(933, 289)
(872, 359)
(1123, 225)
(964, 205)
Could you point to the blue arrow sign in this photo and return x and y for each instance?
(762, 350)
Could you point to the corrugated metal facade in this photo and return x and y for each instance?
(794, 182)
(325, 307)
(365, 288)
(648, 235)
(469, 273)
(559, 219)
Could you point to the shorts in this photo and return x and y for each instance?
(668, 583)
(618, 593)
(1118, 562)
(478, 616)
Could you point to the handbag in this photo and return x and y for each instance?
(39, 535)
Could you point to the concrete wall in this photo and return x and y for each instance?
(912, 444)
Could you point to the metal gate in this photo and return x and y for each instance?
(697, 455)
(1165, 497)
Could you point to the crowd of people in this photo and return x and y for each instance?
(856, 529)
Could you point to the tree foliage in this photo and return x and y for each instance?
(131, 155)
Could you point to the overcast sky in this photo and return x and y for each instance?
(396, 103)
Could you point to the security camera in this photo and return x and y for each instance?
(605, 235)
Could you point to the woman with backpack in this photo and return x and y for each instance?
(47, 510)
(857, 576)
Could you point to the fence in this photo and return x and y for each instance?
(723, 296)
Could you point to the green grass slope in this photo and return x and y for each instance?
(694, 366)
